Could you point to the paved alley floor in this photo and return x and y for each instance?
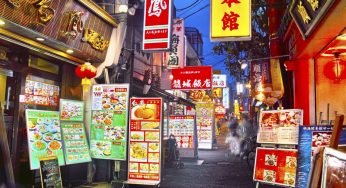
(218, 170)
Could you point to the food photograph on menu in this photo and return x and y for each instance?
(38, 93)
(145, 139)
(71, 110)
(44, 136)
(182, 127)
(279, 126)
(108, 131)
(311, 139)
(276, 166)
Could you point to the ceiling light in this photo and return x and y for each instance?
(243, 66)
(2, 22)
(40, 39)
(123, 8)
(69, 51)
(342, 37)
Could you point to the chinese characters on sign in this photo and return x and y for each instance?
(230, 20)
(308, 13)
(157, 24)
(192, 78)
(219, 80)
(144, 154)
(176, 57)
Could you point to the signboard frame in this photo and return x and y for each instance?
(274, 149)
(93, 108)
(229, 38)
(82, 131)
(160, 105)
(62, 160)
(168, 26)
(41, 173)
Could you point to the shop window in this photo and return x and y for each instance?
(44, 65)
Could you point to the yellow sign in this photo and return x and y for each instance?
(230, 20)
(236, 108)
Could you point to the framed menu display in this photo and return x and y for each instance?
(204, 121)
(44, 136)
(311, 138)
(144, 160)
(38, 93)
(108, 130)
(279, 126)
(334, 169)
(73, 132)
(276, 166)
(50, 173)
(183, 128)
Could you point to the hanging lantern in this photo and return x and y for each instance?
(86, 72)
(335, 69)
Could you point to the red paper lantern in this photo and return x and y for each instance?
(85, 71)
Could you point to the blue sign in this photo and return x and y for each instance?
(310, 138)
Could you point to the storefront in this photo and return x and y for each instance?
(38, 56)
(315, 40)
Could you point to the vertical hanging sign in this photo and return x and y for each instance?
(176, 57)
(230, 20)
(144, 153)
(157, 24)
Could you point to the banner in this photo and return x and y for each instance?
(219, 80)
(230, 20)
(73, 132)
(192, 78)
(279, 126)
(276, 166)
(157, 25)
(144, 160)
(225, 98)
(44, 136)
(176, 57)
(205, 124)
(108, 129)
(311, 138)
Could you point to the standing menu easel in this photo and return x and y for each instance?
(5, 152)
(316, 173)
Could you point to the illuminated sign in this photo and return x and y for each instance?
(192, 78)
(219, 80)
(225, 98)
(157, 24)
(230, 20)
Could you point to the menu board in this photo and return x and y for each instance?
(334, 169)
(38, 93)
(108, 130)
(50, 173)
(73, 132)
(182, 127)
(276, 166)
(71, 110)
(204, 121)
(279, 126)
(44, 136)
(145, 140)
(311, 138)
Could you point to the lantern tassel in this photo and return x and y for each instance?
(86, 83)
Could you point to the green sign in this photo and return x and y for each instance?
(108, 131)
(73, 132)
(44, 136)
(75, 143)
(71, 110)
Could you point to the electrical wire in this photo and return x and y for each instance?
(196, 11)
(189, 9)
(181, 9)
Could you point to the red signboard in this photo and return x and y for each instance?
(192, 78)
(157, 24)
(145, 140)
(276, 166)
